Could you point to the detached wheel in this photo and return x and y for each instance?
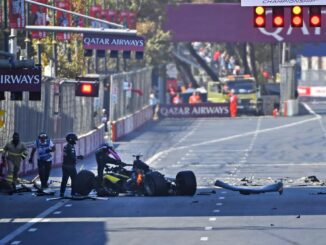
(155, 184)
(85, 182)
(186, 183)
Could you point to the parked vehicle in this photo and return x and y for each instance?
(252, 98)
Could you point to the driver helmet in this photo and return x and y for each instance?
(107, 146)
(71, 138)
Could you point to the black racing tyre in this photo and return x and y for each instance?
(85, 182)
(155, 184)
(186, 183)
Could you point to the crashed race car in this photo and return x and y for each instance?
(139, 180)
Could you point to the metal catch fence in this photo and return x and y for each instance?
(129, 92)
(58, 112)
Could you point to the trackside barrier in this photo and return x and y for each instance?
(130, 123)
(291, 108)
(195, 110)
(86, 144)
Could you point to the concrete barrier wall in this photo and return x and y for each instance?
(128, 124)
(86, 144)
(291, 108)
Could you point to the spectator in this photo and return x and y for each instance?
(190, 88)
(237, 69)
(105, 120)
(63, 20)
(183, 89)
(177, 99)
(172, 91)
(153, 101)
(94, 23)
(13, 153)
(16, 7)
(77, 21)
(194, 98)
(231, 65)
(44, 146)
(39, 17)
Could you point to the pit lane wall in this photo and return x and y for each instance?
(86, 144)
(130, 123)
(195, 110)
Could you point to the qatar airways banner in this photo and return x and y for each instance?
(282, 2)
(114, 42)
(233, 23)
(21, 79)
(195, 110)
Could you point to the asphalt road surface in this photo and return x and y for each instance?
(245, 150)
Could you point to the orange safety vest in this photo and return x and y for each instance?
(194, 99)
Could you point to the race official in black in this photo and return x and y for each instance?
(69, 164)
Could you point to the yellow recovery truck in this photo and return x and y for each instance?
(244, 86)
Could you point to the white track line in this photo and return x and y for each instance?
(311, 111)
(250, 148)
(30, 223)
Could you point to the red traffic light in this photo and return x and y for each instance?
(278, 17)
(296, 16)
(259, 17)
(315, 16)
(87, 89)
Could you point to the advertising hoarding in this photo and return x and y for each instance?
(21, 79)
(251, 3)
(233, 23)
(114, 42)
(195, 110)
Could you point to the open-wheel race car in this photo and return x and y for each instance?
(140, 179)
